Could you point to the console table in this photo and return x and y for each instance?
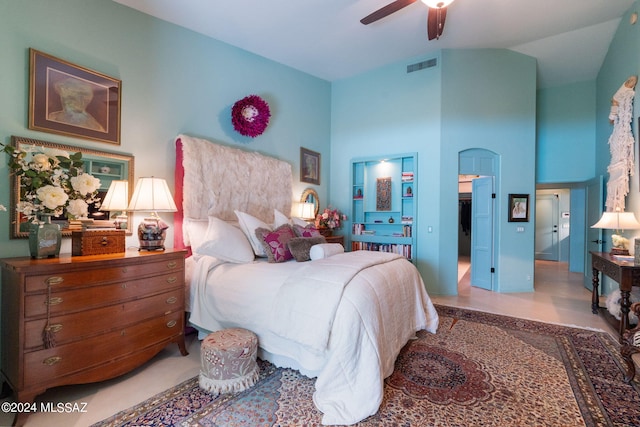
(627, 274)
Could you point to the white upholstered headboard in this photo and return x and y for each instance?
(214, 179)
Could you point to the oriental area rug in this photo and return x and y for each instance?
(479, 369)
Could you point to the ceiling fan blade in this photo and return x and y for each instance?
(435, 22)
(386, 11)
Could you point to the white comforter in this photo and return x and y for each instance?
(376, 313)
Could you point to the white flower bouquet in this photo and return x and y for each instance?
(52, 182)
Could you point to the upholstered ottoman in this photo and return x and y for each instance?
(228, 361)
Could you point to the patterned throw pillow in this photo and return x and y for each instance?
(275, 242)
(300, 246)
(308, 231)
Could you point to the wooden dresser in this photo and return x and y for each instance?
(108, 314)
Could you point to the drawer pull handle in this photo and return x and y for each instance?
(172, 300)
(171, 323)
(57, 327)
(54, 280)
(123, 286)
(54, 301)
(49, 361)
(172, 279)
(172, 264)
(105, 241)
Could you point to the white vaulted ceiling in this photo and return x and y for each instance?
(325, 38)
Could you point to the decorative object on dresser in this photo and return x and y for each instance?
(97, 241)
(250, 116)
(116, 203)
(383, 208)
(618, 221)
(152, 195)
(71, 100)
(101, 315)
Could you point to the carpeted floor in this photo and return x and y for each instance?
(479, 369)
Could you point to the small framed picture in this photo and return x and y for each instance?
(71, 100)
(518, 208)
(309, 166)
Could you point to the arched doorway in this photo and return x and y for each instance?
(482, 167)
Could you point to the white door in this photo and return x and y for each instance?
(547, 219)
(482, 232)
(594, 207)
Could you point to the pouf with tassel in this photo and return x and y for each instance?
(228, 361)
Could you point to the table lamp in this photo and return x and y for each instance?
(152, 195)
(307, 211)
(116, 203)
(618, 221)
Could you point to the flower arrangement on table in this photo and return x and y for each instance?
(330, 218)
(51, 182)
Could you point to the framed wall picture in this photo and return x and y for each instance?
(309, 166)
(518, 208)
(67, 99)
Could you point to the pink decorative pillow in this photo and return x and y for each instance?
(275, 242)
(308, 231)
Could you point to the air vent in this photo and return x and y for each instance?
(422, 65)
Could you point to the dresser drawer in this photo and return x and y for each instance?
(98, 276)
(96, 296)
(78, 326)
(62, 360)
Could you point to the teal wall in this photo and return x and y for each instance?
(389, 111)
(622, 61)
(173, 81)
(489, 103)
(566, 133)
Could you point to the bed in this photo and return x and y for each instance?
(341, 317)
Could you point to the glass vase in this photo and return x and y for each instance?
(45, 238)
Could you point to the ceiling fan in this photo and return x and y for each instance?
(435, 18)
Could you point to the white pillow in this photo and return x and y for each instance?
(280, 219)
(194, 232)
(225, 242)
(299, 221)
(325, 250)
(248, 225)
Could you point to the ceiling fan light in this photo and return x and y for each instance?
(437, 4)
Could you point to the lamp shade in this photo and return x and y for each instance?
(152, 195)
(437, 4)
(117, 198)
(307, 210)
(617, 221)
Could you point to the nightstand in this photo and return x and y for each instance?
(107, 314)
(335, 239)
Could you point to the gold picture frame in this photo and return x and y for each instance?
(120, 167)
(67, 99)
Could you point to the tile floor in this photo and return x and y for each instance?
(559, 297)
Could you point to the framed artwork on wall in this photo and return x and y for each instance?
(518, 208)
(383, 194)
(309, 166)
(67, 99)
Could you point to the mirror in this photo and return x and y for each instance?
(309, 195)
(107, 166)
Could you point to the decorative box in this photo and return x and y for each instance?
(97, 242)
